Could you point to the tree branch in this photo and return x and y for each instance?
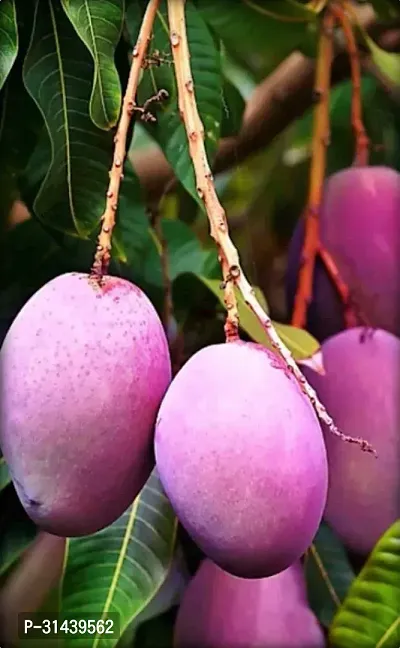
(281, 98)
(103, 250)
(320, 142)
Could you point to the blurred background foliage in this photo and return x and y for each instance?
(236, 45)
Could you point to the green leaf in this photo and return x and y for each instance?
(184, 253)
(17, 530)
(370, 614)
(5, 477)
(252, 26)
(387, 62)
(328, 574)
(132, 234)
(233, 109)
(8, 38)
(99, 25)
(58, 73)
(299, 341)
(205, 60)
(120, 569)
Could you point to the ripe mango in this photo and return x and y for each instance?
(359, 226)
(221, 611)
(240, 454)
(84, 371)
(360, 390)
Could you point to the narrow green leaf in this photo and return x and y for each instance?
(5, 477)
(8, 38)
(17, 530)
(205, 60)
(370, 614)
(328, 574)
(99, 25)
(121, 569)
(387, 62)
(58, 73)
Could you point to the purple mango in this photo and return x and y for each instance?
(240, 454)
(360, 391)
(84, 371)
(221, 611)
(360, 225)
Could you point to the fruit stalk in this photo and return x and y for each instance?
(232, 271)
(320, 142)
(361, 139)
(352, 314)
(205, 186)
(103, 250)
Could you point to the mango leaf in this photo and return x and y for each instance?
(99, 25)
(132, 234)
(233, 106)
(5, 477)
(8, 38)
(328, 574)
(205, 60)
(387, 62)
(370, 614)
(184, 253)
(17, 530)
(58, 73)
(273, 29)
(299, 342)
(119, 570)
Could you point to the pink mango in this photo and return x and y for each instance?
(221, 611)
(84, 371)
(360, 225)
(360, 391)
(240, 454)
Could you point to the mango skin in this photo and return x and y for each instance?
(240, 454)
(360, 224)
(84, 371)
(360, 390)
(221, 611)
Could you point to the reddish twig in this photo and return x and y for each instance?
(361, 139)
(233, 273)
(352, 314)
(103, 251)
(320, 142)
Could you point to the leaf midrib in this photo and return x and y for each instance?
(65, 113)
(118, 567)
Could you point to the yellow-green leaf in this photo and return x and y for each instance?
(387, 62)
(299, 342)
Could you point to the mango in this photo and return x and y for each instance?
(221, 611)
(359, 226)
(360, 390)
(240, 454)
(84, 371)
